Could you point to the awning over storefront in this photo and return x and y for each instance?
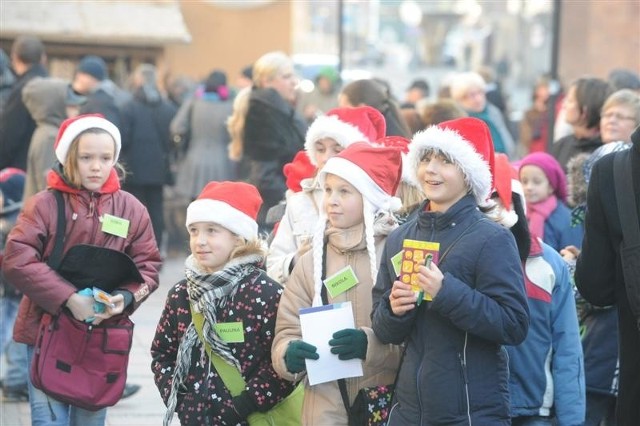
(131, 23)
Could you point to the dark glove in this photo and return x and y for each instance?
(349, 344)
(296, 353)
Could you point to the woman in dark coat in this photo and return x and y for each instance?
(273, 131)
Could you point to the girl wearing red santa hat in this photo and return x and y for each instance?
(455, 369)
(87, 149)
(359, 186)
(327, 136)
(224, 285)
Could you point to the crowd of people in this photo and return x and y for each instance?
(528, 314)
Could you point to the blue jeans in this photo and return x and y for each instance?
(13, 355)
(46, 411)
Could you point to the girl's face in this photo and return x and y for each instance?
(535, 183)
(325, 149)
(571, 108)
(96, 154)
(442, 181)
(284, 82)
(342, 202)
(211, 245)
(617, 123)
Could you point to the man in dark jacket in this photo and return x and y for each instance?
(599, 271)
(90, 80)
(16, 124)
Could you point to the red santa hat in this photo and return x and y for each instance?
(402, 144)
(467, 142)
(298, 169)
(375, 171)
(506, 184)
(71, 128)
(345, 126)
(233, 205)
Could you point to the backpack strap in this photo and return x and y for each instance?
(61, 226)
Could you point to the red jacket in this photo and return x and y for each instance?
(31, 241)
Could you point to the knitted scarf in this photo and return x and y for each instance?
(207, 294)
(538, 213)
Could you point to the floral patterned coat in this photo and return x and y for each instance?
(205, 398)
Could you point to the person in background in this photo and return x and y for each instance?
(455, 368)
(468, 89)
(204, 117)
(244, 79)
(50, 101)
(545, 189)
(13, 355)
(273, 131)
(87, 150)
(436, 112)
(621, 78)
(418, 90)
(546, 380)
(235, 127)
(534, 126)
(599, 271)
(581, 109)
(494, 92)
(620, 116)
(356, 217)
(323, 97)
(88, 81)
(374, 94)
(16, 124)
(147, 145)
(224, 283)
(327, 136)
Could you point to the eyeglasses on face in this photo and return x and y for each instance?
(617, 116)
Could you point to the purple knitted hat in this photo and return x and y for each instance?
(552, 169)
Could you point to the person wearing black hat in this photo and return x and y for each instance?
(88, 81)
(16, 124)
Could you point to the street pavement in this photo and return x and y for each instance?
(145, 408)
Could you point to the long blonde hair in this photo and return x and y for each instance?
(235, 124)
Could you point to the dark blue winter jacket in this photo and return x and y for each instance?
(455, 370)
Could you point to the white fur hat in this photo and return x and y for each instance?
(72, 127)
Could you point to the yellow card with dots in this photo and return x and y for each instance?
(414, 254)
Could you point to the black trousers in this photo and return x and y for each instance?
(152, 198)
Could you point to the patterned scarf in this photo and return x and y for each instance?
(208, 293)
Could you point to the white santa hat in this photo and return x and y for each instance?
(234, 205)
(375, 171)
(345, 126)
(467, 142)
(71, 128)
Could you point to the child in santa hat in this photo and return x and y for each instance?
(359, 184)
(327, 136)
(546, 370)
(87, 149)
(455, 369)
(224, 284)
(545, 189)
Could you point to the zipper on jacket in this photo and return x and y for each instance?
(92, 205)
(463, 364)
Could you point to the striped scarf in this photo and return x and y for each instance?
(207, 294)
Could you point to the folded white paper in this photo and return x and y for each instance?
(318, 325)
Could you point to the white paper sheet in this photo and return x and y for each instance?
(318, 325)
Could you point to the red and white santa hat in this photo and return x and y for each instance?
(467, 142)
(402, 144)
(72, 127)
(234, 205)
(375, 171)
(345, 126)
(506, 183)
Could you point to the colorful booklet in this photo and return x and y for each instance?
(414, 254)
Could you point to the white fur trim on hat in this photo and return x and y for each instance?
(330, 126)
(474, 167)
(379, 199)
(75, 128)
(207, 210)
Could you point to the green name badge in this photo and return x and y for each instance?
(115, 225)
(396, 261)
(230, 332)
(341, 281)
